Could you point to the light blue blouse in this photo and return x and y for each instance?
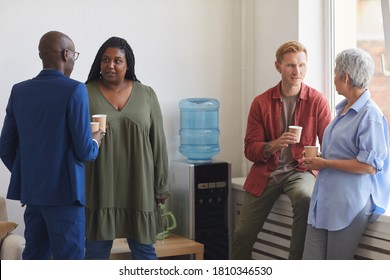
(338, 196)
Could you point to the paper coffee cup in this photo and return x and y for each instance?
(297, 130)
(95, 126)
(311, 151)
(101, 119)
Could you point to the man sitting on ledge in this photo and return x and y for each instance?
(277, 153)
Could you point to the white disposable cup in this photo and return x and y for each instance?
(311, 151)
(95, 126)
(101, 119)
(297, 130)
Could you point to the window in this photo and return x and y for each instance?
(358, 23)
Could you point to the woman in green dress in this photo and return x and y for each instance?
(129, 178)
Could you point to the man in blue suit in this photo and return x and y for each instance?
(46, 138)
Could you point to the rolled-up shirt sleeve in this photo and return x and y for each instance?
(373, 144)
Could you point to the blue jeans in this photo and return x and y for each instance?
(101, 249)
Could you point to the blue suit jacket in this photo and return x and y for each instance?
(45, 140)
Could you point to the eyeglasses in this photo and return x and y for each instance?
(75, 54)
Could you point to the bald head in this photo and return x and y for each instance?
(52, 48)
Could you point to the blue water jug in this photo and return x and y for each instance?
(199, 130)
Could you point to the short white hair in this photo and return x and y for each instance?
(357, 64)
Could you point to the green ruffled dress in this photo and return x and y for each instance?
(131, 170)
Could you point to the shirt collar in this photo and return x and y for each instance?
(302, 93)
(358, 105)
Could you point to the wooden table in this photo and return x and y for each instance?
(174, 245)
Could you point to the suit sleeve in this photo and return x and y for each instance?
(78, 117)
(9, 139)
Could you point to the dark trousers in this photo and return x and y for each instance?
(255, 210)
(54, 232)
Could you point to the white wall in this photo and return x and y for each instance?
(222, 49)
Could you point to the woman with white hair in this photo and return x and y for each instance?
(353, 184)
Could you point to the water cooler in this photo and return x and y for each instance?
(200, 199)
